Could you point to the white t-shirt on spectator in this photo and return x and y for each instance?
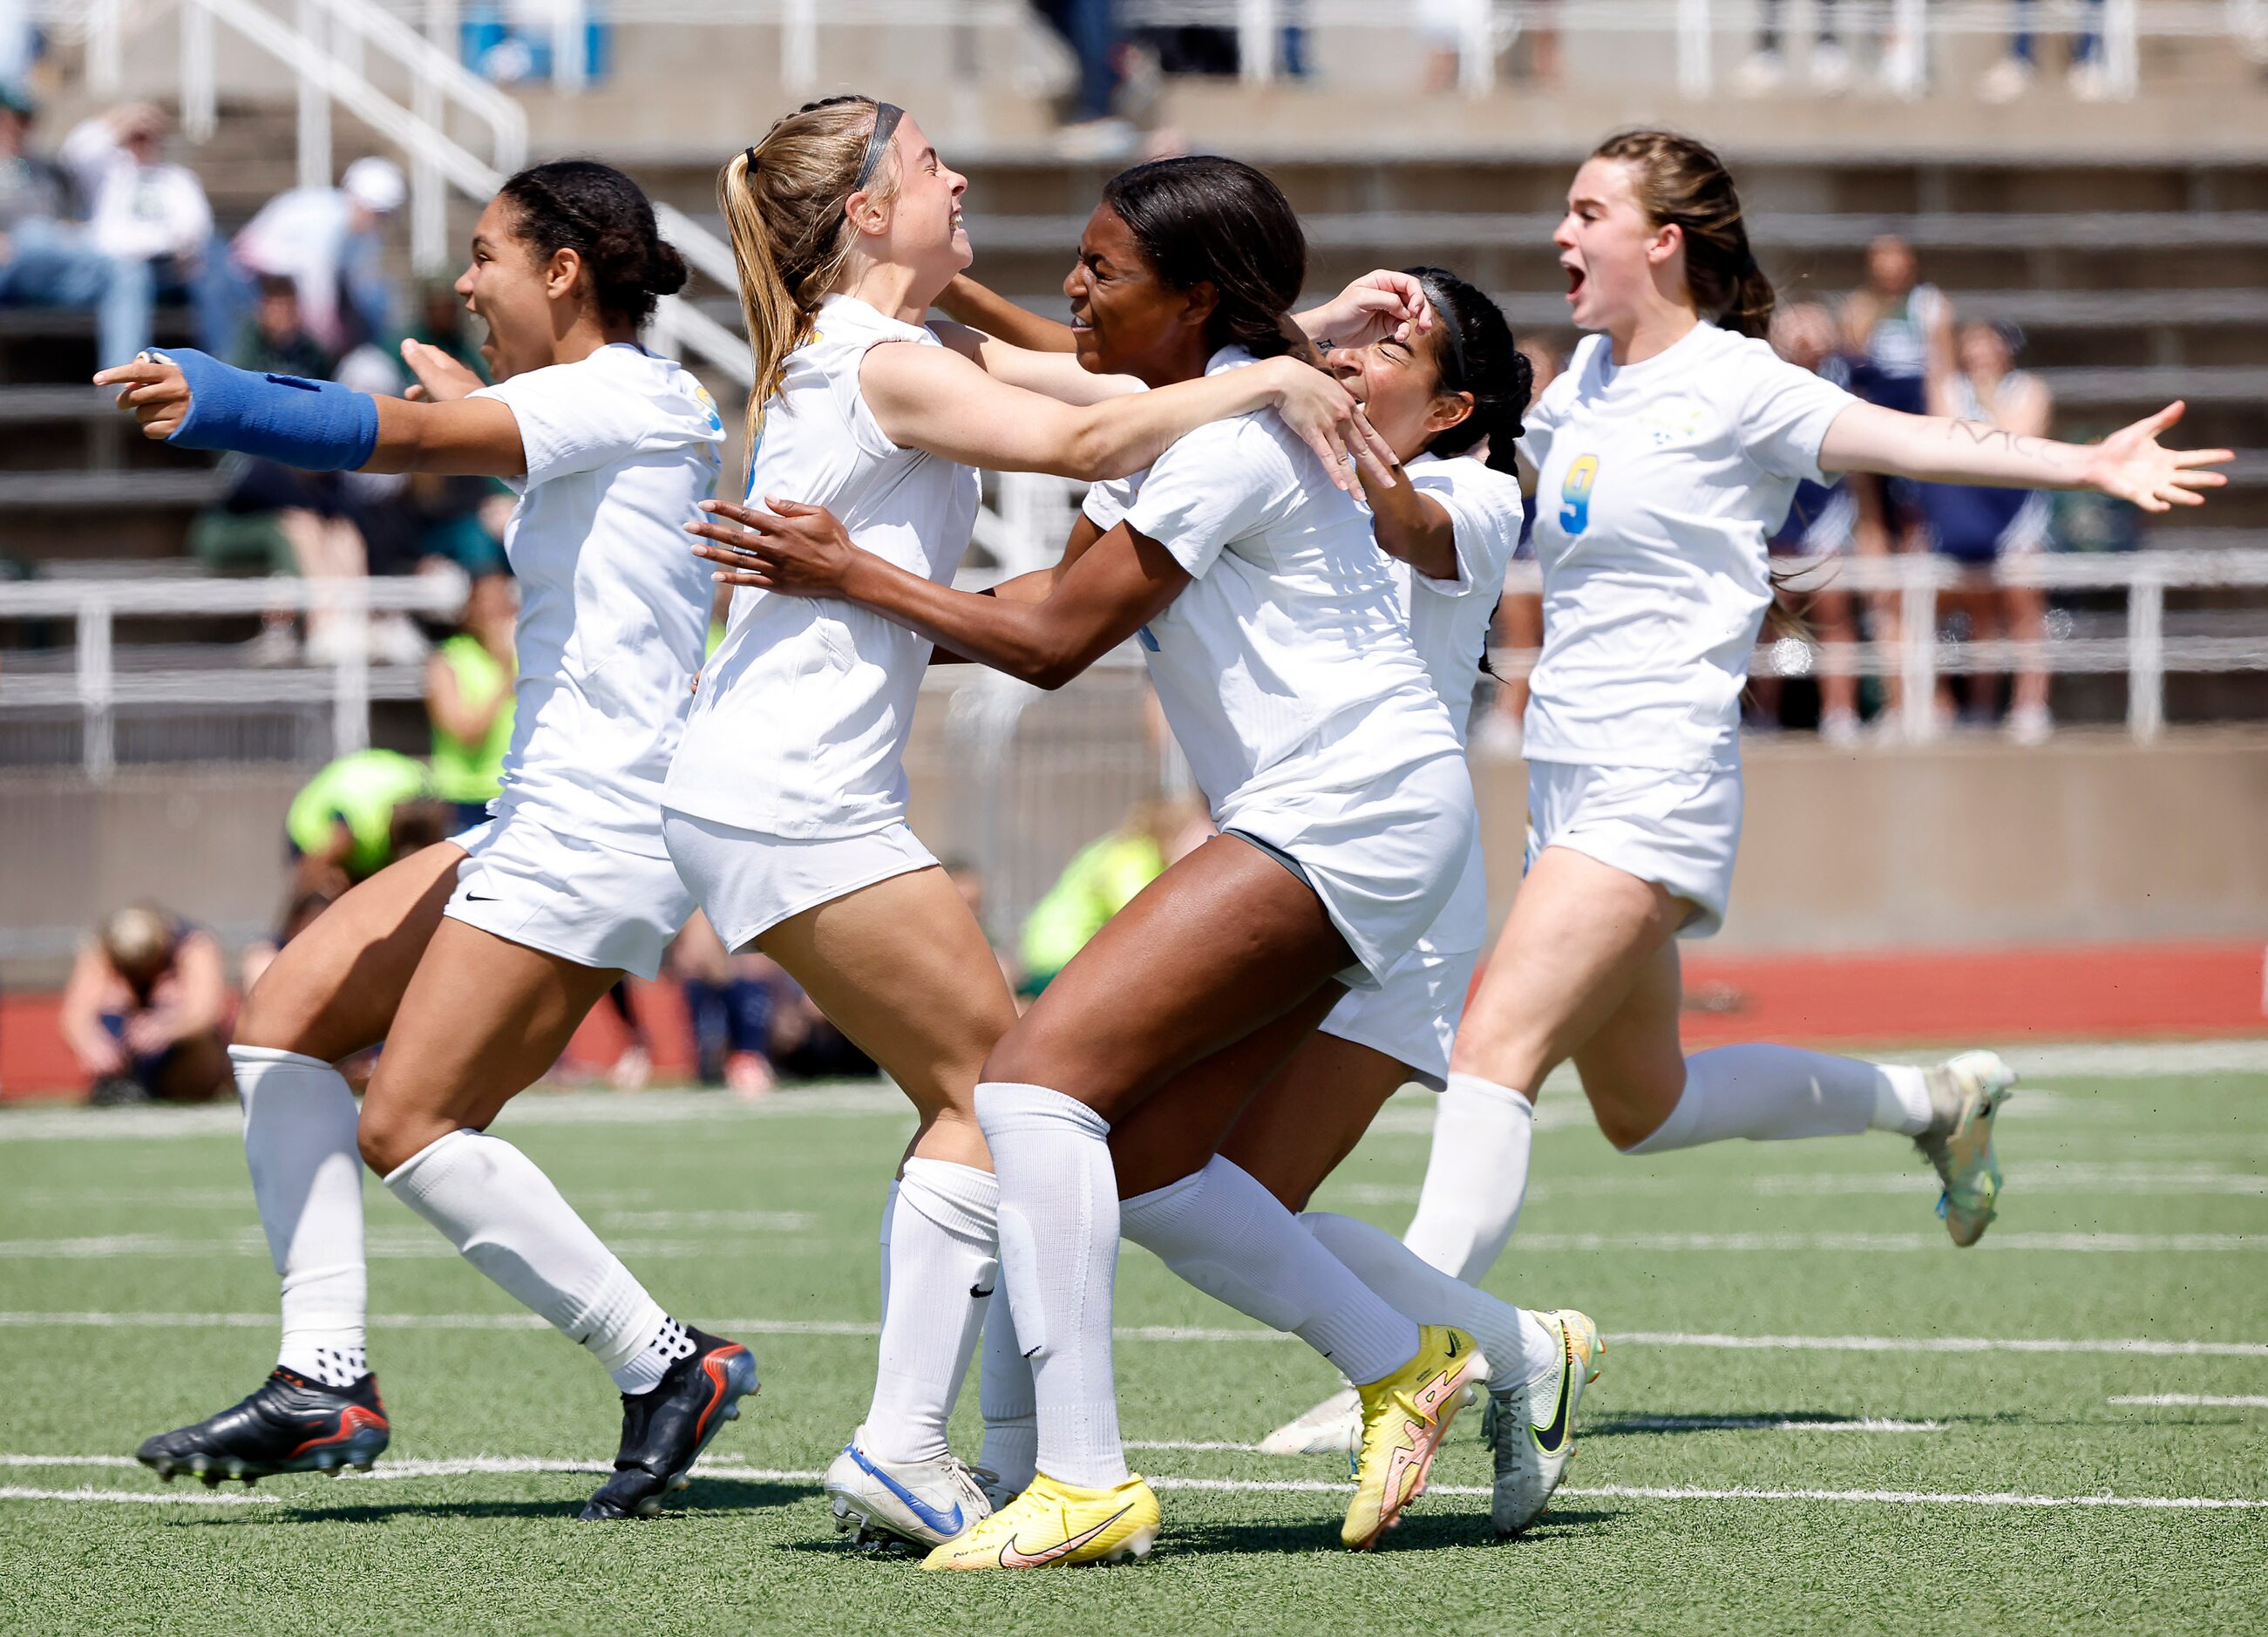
(302, 235)
(1656, 486)
(621, 449)
(801, 724)
(137, 212)
(1291, 619)
(1449, 618)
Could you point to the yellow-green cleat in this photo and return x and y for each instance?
(1965, 1092)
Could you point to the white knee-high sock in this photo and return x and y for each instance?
(489, 1200)
(1517, 1345)
(1003, 1391)
(889, 1217)
(1223, 1233)
(1475, 1178)
(1767, 1093)
(1059, 1254)
(306, 1179)
(940, 1256)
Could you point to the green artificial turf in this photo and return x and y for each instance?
(2137, 1209)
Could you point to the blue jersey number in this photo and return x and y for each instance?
(1575, 494)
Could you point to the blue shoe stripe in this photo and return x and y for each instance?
(946, 1526)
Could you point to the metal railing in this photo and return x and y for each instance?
(1481, 31)
(96, 687)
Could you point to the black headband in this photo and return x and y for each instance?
(886, 115)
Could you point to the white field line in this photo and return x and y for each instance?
(17, 1491)
(1760, 1424)
(1233, 1486)
(411, 1245)
(2146, 1345)
(2077, 1177)
(2201, 1400)
(2080, 1244)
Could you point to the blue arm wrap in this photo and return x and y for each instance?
(317, 425)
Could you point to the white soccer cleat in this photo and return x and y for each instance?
(922, 1503)
(1332, 1428)
(1964, 1094)
(1533, 1426)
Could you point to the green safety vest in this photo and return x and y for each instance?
(362, 791)
(1098, 883)
(463, 771)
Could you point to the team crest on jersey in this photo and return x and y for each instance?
(1673, 420)
(1575, 494)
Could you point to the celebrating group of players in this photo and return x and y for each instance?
(1307, 558)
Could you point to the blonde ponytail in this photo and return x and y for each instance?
(784, 203)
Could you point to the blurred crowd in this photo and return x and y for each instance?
(1836, 62)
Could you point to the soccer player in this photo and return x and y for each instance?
(1665, 454)
(1281, 654)
(1442, 385)
(786, 804)
(474, 960)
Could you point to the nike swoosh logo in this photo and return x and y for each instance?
(948, 1526)
(480, 897)
(1012, 1558)
(977, 1294)
(1549, 1439)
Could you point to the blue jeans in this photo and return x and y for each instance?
(2083, 46)
(54, 264)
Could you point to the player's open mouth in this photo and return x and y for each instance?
(1575, 277)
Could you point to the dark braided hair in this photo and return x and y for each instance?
(604, 218)
(1205, 219)
(1475, 354)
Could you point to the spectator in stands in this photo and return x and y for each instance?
(20, 44)
(468, 697)
(1822, 523)
(1978, 528)
(1090, 29)
(1518, 622)
(327, 241)
(48, 259)
(359, 815)
(2017, 73)
(150, 217)
(730, 1000)
(1102, 879)
(1891, 324)
(143, 1008)
(1830, 63)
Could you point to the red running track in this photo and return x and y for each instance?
(2095, 992)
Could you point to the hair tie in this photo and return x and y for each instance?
(750, 155)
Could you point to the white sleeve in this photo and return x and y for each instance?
(1220, 483)
(87, 154)
(572, 419)
(1783, 412)
(1108, 502)
(1485, 519)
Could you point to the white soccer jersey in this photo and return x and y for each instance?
(800, 728)
(1291, 619)
(621, 449)
(1657, 484)
(1449, 618)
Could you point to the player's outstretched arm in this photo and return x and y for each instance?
(192, 400)
(1108, 593)
(2129, 465)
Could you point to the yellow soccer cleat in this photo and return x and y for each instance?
(1404, 1418)
(1051, 1523)
(1965, 1092)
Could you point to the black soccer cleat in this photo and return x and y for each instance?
(290, 1425)
(664, 1431)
